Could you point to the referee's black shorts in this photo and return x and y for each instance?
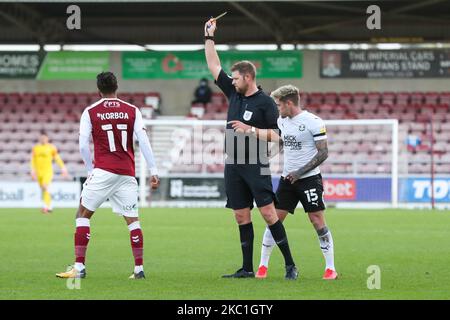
(245, 183)
(309, 191)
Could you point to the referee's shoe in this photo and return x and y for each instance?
(241, 273)
(291, 272)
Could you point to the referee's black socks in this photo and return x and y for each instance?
(280, 237)
(247, 235)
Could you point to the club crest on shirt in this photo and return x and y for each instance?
(301, 127)
(247, 115)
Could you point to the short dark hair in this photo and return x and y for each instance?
(107, 82)
(244, 67)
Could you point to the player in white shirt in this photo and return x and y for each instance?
(304, 140)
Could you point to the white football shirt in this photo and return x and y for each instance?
(299, 135)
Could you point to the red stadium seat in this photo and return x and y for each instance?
(341, 168)
(416, 127)
(431, 97)
(442, 108)
(442, 168)
(124, 96)
(83, 99)
(423, 118)
(345, 98)
(316, 98)
(419, 168)
(27, 98)
(373, 98)
(54, 98)
(138, 99)
(417, 98)
(359, 98)
(68, 99)
(304, 99)
(383, 108)
(327, 108)
(406, 117)
(425, 109)
(2, 99)
(403, 98)
(41, 98)
(93, 97)
(12, 99)
(14, 117)
(218, 98)
(444, 98)
(388, 98)
(330, 98)
(445, 127)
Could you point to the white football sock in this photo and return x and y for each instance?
(327, 247)
(82, 222)
(79, 266)
(134, 225)
(268, 244)
(138, 269)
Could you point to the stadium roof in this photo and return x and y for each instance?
(247, 22)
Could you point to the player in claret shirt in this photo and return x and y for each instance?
(112, 123)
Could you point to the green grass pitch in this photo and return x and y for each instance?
(187, 250)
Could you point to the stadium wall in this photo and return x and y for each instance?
(176, 95)
(210, 191)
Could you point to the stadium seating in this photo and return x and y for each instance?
(413, 110)
(353, 149)
(24, 116)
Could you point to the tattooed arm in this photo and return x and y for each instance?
(322, 154)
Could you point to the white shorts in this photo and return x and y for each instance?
(122, 192)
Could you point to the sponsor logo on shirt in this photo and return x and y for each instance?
(111, 104)
(291, 142)
(113, 115)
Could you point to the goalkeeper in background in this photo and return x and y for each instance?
(42, 156)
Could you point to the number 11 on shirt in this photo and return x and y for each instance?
(109, 131)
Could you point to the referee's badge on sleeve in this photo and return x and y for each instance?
(247, 115)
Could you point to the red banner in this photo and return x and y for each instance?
(339, 189)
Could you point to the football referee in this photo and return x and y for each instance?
(247, 174)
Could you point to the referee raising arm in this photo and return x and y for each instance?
(247, 174)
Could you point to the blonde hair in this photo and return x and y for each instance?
(287, 92)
